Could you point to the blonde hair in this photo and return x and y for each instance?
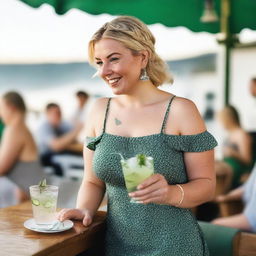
(136, 36)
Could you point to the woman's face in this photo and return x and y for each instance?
(117, 66)
(5, 111)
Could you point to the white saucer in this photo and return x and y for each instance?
(65, 225)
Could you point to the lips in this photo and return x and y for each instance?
(113, 80)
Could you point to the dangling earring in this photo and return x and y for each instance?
(144, 76)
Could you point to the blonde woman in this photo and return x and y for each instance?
(18, 152)
(143, 119)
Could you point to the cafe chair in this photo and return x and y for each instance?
(226, 241)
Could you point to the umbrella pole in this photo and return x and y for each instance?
(225, 31)
(227, 73)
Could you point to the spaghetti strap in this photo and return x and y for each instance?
(167, 113)
(106, 116)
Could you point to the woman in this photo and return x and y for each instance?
(247, 219)
(18, 152)
(237, 149)
(143, 119)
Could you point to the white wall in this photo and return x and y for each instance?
(243, 66)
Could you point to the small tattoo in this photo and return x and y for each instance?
(118, 122)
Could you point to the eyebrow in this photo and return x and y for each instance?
(109, 55)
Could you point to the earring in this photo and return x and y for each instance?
(144, 76)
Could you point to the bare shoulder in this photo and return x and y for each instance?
(243, 135)
(12, 135)
(187, 117)
(96, 116)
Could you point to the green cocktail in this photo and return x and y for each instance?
(44, 203)
(136, 170)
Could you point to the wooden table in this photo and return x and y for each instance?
(15, 240)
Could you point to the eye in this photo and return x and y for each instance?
(114, 59)
(99, 63)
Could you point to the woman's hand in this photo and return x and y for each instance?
(154, 189)
(76, 214)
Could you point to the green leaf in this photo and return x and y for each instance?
(141, 158)
(42, 185)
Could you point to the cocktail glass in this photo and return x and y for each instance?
(44, 203)
(136, 170)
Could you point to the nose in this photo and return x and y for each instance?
(105, 70)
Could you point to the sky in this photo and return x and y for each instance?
(29, 35)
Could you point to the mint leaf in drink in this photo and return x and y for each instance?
(42, 185)
(141, 158)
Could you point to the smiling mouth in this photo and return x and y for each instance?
(113, 81)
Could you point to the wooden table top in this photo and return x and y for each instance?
(16, 240)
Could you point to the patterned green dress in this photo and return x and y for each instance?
(153, 229)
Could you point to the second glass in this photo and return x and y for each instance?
(136, 170)
(44, 203)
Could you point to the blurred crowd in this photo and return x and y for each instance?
(56, 147)
(26, 156)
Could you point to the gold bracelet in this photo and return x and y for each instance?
(182, 195)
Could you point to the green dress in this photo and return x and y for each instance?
(152, 229)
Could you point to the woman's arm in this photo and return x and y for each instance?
(10, 149)
(235, 194)
(92, 189)
(199, 165)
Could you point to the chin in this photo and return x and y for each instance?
(118, 91)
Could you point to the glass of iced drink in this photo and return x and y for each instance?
(44, 203)
(136, 170)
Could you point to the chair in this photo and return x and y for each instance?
(225, 241)
(231, 207)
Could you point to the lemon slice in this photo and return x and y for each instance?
(35, 202)
(48, 204)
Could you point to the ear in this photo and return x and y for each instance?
(144, 58)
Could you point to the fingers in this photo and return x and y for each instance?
(152, 190)
(87, 220)
(142, 192)
(66, 214)
(76, 214)
(149, 181)
(160, 193)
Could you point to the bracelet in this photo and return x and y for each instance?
(182, 195)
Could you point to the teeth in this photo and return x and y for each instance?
(111, 81)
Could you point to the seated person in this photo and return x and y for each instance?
(237, 149)
(18, 152)
(55, 137)
(247, 219)
(79, 114)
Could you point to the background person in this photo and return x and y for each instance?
(79, 114)
(247, 219)
(56, 136)
(143, 119)
(237, 149)
(18, 152)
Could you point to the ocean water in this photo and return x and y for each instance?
(40, 84)
(43, 83)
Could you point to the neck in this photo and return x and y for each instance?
(17, 119)
(142, 94)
